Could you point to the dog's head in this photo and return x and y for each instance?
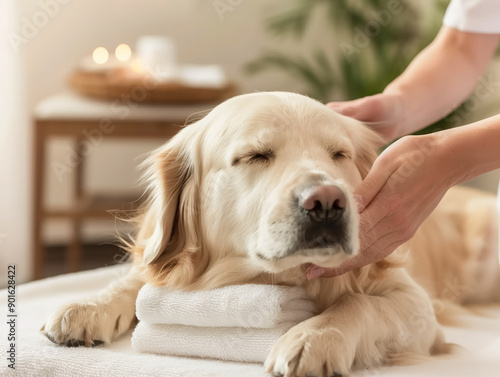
(267, 178)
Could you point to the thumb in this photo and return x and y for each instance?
(371, 184)
(363, 109)
(346, 266)
(348, 108)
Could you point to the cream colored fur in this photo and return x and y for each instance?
(218, 215)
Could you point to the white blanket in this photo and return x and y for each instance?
(38, 357)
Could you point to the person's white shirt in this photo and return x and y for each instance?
(475, 16)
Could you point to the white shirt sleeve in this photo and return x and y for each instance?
(476, 16)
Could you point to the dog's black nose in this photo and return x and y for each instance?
(323, 203)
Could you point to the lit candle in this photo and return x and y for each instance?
(100, 55)
(101, 60)
(123, 52)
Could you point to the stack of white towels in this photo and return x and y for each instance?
(236, 323)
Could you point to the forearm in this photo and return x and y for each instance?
(471, 150)
(441, 77)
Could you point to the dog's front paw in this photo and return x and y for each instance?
(311, 352)
(84, 324)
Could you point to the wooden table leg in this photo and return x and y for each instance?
(39, 170)
(74, 251)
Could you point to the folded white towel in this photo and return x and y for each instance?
(250, 305)
(224, 343)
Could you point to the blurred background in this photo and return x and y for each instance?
(76, 120)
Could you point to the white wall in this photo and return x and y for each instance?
(15, 156)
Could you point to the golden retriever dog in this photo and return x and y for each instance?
(261, 189)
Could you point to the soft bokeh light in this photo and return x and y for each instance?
(123, 52)
(100, 55)
(137, 66)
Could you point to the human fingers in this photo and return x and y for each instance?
(382, 169)
(373, 254)
(380, 249)
(348, 265)
(371, 251)
(359, 109)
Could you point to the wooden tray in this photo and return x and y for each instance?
(124, 84)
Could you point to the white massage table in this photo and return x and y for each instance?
(38, 357)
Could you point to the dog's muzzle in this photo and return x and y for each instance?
(324, 224)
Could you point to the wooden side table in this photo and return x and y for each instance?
(81, 119)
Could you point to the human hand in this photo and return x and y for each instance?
(405, 184)
(384, 113)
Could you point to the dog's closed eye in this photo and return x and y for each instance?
(259, 157)
(254, 157)
(338, 155)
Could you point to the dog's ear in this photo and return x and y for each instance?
(169, 243)
(169, 171)
(366, 144)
